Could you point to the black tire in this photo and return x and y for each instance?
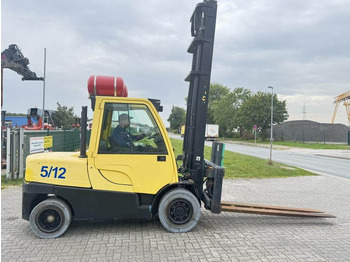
(179, 211)
(50, 218)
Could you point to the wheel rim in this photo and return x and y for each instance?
(50, 220)
(180, 211)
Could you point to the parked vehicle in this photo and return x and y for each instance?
(211, 131)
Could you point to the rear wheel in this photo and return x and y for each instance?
(50, 218)
(179, 211)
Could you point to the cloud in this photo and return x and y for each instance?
(317, 108)
(299, 47)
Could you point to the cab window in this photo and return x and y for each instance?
(130, 129)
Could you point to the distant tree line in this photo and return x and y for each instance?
(237, 111)
(15, 114)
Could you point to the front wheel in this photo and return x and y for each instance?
(50, 218)
(179, 211)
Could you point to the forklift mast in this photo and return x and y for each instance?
(203, 30)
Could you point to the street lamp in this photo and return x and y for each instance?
(271, 137)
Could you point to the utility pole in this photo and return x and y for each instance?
(255, 128)
(304, 111)
(271, 137)
(2, 86)
(43, 117)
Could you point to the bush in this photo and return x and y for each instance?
(247, 135)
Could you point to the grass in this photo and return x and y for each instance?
(242, 166)
(298, 144)
(5, 182)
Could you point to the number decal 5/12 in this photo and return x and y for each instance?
(57, 172)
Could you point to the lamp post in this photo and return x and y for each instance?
(271, 137)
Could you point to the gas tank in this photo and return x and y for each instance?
(107, 86)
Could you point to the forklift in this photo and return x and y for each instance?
(130, 170)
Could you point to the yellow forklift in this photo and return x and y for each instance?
(130, 170)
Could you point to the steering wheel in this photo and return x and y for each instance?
(157, 138)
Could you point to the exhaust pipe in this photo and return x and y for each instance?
(83, 127)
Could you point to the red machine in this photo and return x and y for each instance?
(35, 121)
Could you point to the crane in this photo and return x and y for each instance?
(345, 97)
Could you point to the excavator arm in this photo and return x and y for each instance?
(12, 58)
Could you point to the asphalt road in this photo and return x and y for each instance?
(320, 161)
(329, 162)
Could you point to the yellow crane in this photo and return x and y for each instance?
(345, 97)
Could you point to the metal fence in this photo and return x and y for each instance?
(14, 153)
(19, 145)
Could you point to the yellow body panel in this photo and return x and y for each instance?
(140, 173)
(134, 173)
(58, 168)
(101, 183)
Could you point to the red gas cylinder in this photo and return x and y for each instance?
(107, 86)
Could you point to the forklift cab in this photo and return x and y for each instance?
(132, 152)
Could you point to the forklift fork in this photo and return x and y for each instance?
(272, 210)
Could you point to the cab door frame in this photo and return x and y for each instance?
(168, 176)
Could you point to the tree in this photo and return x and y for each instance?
(177, 117)
(257, 111)
(64, 117)
(216, 94)
(225, 110)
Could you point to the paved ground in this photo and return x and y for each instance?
(224, 237)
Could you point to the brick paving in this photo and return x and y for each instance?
(224, 237)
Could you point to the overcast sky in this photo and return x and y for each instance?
(301, 48)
